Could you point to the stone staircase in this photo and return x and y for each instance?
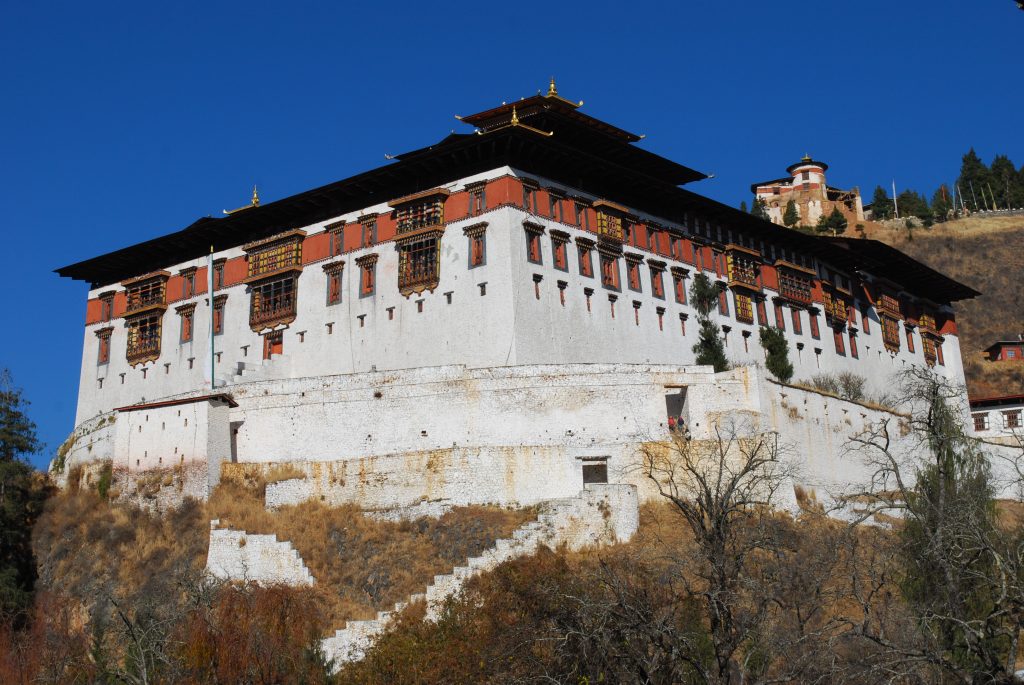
(245, 372)
(262, 559)
(601, 514)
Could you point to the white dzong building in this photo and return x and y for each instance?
(493, 318)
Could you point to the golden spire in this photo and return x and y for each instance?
(254, 202)
(552, 91)
(515, 117)
(255, 197)
(806, 158)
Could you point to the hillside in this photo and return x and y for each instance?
(986, 254)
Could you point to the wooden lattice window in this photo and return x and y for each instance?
(418, 265)
(218, 274)
(477, 199)
(219, 303)
(143, 338)
(633, 272)
(275, 258)
(679, 285)
(657, 279)
(928, 349)
(272, 303)
(419, 214)
(368, 230)
(980, 421)
(1011, 419)
(148, 294)
(744, 308)
(890, 305)
(795, 286)
(336, 238)
(106, 306)
(891, 333)
(609, 226)
(188, 282)
(743, 269)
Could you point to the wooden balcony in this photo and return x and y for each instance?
(835, 308)
(743, 270)
(145, 299)
(272, 311)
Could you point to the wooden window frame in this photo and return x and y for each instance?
(476, 235)
(839, 340)
(981, 421)
(780, 317)
(559, 250)
(585, 258)
(419, 263)
(103, 336)
(744, 305)
(367, 275)
(477, 198)
(219, 304)
(187, 329)
(145, 333)
(633, 281)
(334, 273)
(610, 278)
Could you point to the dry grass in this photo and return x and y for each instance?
(364, 565)
(284, 472)
(94, 550)
(985, 254)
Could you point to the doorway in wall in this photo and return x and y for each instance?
(273, 343)
(235, 426)
(595, 470)
(675, 407)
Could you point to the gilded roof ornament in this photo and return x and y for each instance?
(254, 202)
(552, 91)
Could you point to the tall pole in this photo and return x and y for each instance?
(992, 195)
(895, 207)
(209, 290)
(960, 194)
(974, 195)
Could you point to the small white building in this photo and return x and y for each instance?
(1000, 419)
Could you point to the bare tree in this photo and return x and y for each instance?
(959, 570)
(760, 600)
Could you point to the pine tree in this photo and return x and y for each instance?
(791, 217)
(760, 209)
(776, 347)
(974, 176)
(941, 204)
(709, 348)
(22, 493)
(743, 206)
(881, 205)
(837, 221)
(1004, 182)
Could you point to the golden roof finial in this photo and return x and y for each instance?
(552, 91)
(515, 117)
(255, 197)
(806, 158)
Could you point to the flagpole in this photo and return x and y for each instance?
(209, 290)
(895, 206)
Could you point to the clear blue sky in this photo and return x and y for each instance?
(123, 121)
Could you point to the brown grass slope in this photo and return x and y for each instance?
(988, 255)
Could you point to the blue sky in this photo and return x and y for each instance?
(120, 122)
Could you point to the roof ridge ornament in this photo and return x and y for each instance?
(552, 91)
(515, 123)
(254, 202)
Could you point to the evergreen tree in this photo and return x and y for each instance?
(709, 348)
(743, 206)
(776, 347)
(837, 221)
(942, 204)
(881, 205)
(791, 217)
(760, 209)
(1004, 182)
(974, 176)
(22, 493)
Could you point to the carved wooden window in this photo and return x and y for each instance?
(1011, 419)
(477, 237)
(853, 346)
(891, 333)
(143, 338)
(657, 279)
(581, 219)
(928, 349)
(530, 198)
(762, 312)
(368, 230)
(188, 282)
(106, 306)
(795, 286)
(910, 340)
(837, 336)
(146, 294)
(679, 284)
(219, 302)
(367, 274)
(812, 319)
(938, 353)
(780, 318)
(477, 199)
(272, 303)
(633, 272)
(609, 226)
(555, 206)
(585, 251)
(865, 319)
(103, 342)
(419, 214)
(676, 247)
(890, 305)
(723, 302)
(218, 274)
(742, 268)
(187, 314)
(275, 258)
(798, 328)
(336, 238)
(609, 271)
(559, 250)
(419, 264)
(334, 272)
(980, 421)
(533, 248)
(744, 308)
